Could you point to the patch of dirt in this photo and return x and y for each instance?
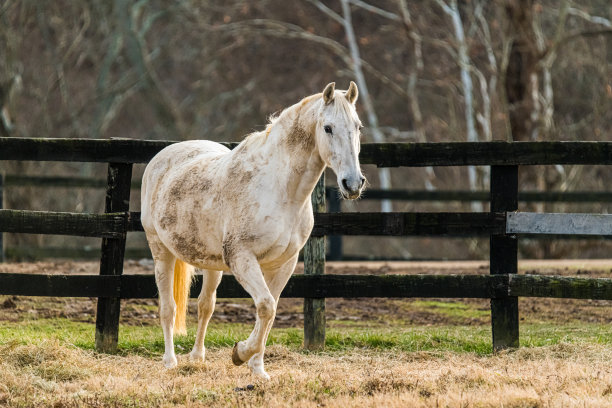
(370, 312)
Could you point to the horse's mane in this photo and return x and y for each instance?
(342, 105)
(262, 135)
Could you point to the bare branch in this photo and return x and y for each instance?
(445, 7)
(331, 13)
(282, 29)
(574, 36)
(376, 10)
(591, 19)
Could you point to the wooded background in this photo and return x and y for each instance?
(431, 70)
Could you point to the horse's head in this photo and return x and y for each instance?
(337, 136)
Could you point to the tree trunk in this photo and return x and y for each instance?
(521, 77)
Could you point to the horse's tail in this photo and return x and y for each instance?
(182, 282)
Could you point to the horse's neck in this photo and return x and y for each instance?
(290, 146)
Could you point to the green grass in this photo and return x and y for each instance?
(451, 309)
(148, 340)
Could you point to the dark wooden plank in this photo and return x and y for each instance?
(299, 286)
(425, 195)
(398, 224)
(402, 224)
(314, 264)
(348, 286)
(485, 153)
(400, 286)
(82, 150)
(111, 261)
(503, 258)
(523, 196)
(28, 253)
(110, 225)
(59, 285)
(381, 154)
(14, 180)
(560, 287)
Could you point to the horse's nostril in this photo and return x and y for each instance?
(346, 187)
(362, 181)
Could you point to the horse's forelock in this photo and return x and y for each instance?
(342, 105)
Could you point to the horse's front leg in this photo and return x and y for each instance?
(248, 273)
(276, 280)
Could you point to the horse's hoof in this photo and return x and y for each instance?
(196, 357)
(170, 362)
(235, 357)
(261, 374)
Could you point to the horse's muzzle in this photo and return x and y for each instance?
(351, 187)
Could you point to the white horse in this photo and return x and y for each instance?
(247, 210)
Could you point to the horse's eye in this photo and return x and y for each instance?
(360, 127)
(327, 129)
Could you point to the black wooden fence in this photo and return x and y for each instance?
(502, 224)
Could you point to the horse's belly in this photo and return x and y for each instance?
(278, 254)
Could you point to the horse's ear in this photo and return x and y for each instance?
(328, 93)
(352, 93)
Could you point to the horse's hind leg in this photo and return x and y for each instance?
(206, 306)
(164, 277)
(276, 281)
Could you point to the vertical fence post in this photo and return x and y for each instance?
(1, 207)
(111, 261)
(335, 241)
(314, 264)
(503, 258)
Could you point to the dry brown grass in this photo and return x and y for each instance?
(56, 375)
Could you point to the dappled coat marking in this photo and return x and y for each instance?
(247, 211)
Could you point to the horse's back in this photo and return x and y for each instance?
(174, 162)
(181, 152)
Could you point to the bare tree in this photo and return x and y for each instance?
(384, 173)
(465, 66)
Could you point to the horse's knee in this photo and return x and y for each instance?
(206, 304)
(266, 308)
(167, 311)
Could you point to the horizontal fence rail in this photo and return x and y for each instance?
(398, 224)
(438, 195)
(21, 253)
(558, 224)
(110, 225)
(321, 286)
(13, 180)
(380, 154)
(114, 225)
(560, 287)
